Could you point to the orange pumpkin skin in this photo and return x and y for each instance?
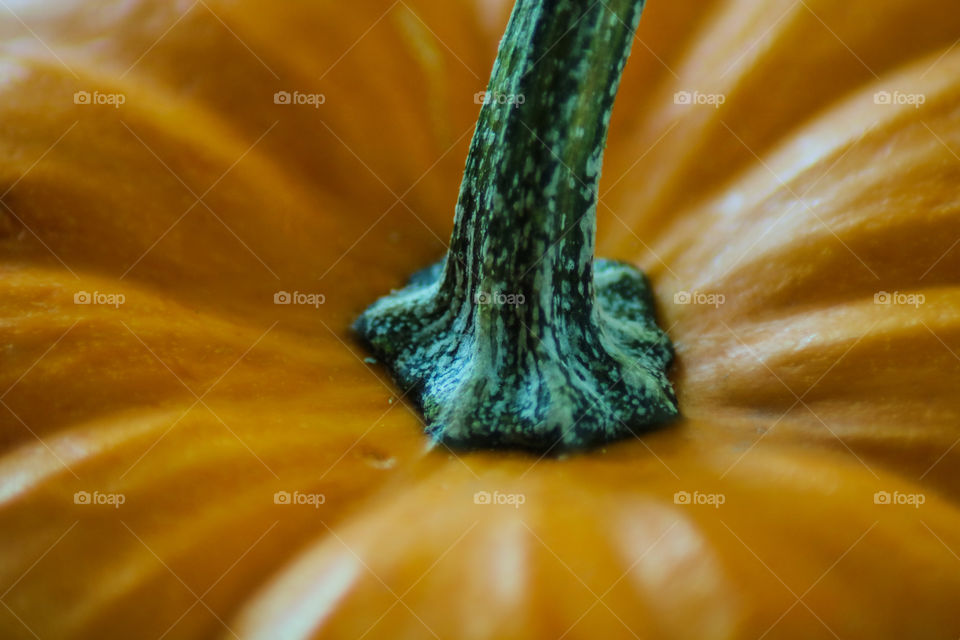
(197, 399)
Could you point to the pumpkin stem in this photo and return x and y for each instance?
(518, 338)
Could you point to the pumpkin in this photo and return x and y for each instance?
(200, 198)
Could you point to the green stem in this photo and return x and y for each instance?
(519, 338)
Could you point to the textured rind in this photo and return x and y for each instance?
(504, 343)
(614, 388)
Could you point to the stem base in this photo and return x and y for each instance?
(479, 390)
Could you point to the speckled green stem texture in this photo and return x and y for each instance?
(519, 338)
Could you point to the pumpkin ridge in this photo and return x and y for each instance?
(672, 168)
